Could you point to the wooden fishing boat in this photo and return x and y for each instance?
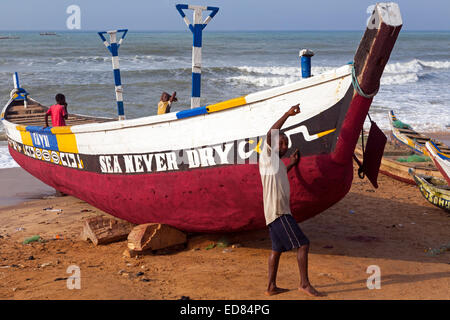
(197, 169)
(414, 140)
(440, 159)
(434, 190)
(392, 167)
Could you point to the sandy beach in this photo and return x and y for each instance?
(176, 132)
(392, 227)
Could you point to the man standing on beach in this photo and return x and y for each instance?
(284, 231)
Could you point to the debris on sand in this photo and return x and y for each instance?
(223, 243)
(363, 239)
(60, 279)
(438, 251)
(58, 211)
(32, 239)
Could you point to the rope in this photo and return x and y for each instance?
(358, 88)
(360, 169)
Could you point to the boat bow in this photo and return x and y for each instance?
(370, 59)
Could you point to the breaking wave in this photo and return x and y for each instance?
(5, 158)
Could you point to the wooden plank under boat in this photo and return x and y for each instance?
(412, 139)
(391, 167)
(434, 190)
(440, 159)
(197, 170)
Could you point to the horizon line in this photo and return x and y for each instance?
(212, 31)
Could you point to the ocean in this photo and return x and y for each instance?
(415, 83)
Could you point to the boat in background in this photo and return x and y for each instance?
(396, 164)
(8, 37)
(414, 140)
(197, 169)
(440, 159)
(434, 190)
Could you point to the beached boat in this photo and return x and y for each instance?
(399, 159)
(414, 140)
(440, 159)
(434, 190)
(197, 169)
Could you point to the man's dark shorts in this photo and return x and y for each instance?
(286, 234)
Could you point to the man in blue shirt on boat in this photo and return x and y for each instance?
(284, 231)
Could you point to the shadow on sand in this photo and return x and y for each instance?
(362, 226)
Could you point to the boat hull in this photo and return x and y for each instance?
(220, 199)
(433, 190)
(441, 160)
(400, 170)
(197, 170)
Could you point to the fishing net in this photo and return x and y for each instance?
(400, 125)
(414, 158)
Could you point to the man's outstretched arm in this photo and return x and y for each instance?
(277, 125)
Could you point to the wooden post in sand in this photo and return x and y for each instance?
(154, 236)
(102, 230)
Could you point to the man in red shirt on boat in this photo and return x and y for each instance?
(284, 231)
(58, 112)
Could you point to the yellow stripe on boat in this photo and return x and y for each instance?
(236, 102)
(67, 142)
(438, 152)
(25, 135)
(258, 146)
(65, 129)
(324, 133)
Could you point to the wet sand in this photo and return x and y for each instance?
(17, 186)
(392, 227)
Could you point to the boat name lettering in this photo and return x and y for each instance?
(237, 152)
(41, 140)
(70, 160)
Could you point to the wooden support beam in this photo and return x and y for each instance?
(102, 230)
(154, 236)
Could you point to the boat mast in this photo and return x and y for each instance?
(196, 30)
(19, 93)
(113, 48)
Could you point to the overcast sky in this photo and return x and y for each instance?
(159, 15)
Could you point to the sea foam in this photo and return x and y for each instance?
(6, 161)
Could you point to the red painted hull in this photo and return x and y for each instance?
(223, 199)
(217, 199)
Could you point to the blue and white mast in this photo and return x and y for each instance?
(113, 47)
(19, 93)
(196, 30)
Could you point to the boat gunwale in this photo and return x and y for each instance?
(332, 75)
